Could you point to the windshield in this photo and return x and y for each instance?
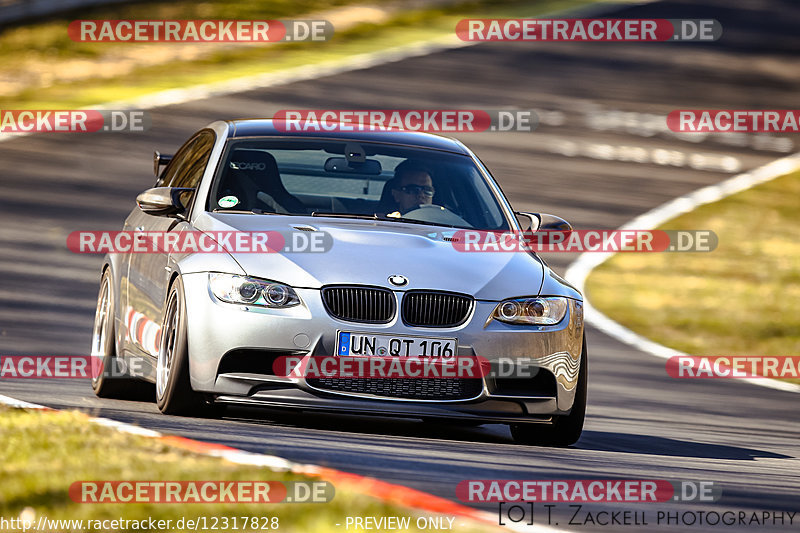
(348, 179)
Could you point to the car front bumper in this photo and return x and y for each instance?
(216, 328)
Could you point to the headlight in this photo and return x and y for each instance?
(540, 311)
(251, 291)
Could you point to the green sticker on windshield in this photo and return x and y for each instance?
(228, 201)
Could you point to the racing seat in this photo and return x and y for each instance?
(255, 173)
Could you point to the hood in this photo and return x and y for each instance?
(367, 252)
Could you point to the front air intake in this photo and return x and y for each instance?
(370, 305)
(432, 309)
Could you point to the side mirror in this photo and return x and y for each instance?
(543, 221)
(162, 201)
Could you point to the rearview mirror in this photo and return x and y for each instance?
(162, 201)
(543, 221)
(340, 164)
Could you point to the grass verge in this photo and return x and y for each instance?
(43, 452)
(43, 51)
(741, 299)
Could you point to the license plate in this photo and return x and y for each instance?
(368, 344)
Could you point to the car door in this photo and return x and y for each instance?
(148, 273)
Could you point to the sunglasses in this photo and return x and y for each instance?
(417, 189)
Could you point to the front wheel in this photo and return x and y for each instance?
(565, 430)
(174, 394)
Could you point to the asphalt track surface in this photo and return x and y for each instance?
(641, 424)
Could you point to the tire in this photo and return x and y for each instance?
(566, 429)
(174, 394)
(108, 376)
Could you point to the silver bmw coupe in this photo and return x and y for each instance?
(367, 264)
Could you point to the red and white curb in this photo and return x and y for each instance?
(580, 269)
(381, 490)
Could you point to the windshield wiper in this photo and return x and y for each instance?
(374, 216)
(254, 212)
(344, 215)
(415, 221)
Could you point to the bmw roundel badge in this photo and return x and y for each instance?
(398, 280)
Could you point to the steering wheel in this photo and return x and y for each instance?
(436, 214)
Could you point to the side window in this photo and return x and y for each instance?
(194, 163)
(186, 168)
(177, 161)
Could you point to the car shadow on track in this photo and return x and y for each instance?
(401, 427)
(651, 445)
(366, 427)
(497, 434)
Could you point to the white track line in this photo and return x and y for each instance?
(290, 75)
(281, 77)
(580, 269)
(19, 404)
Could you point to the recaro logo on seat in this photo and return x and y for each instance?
(243, 165)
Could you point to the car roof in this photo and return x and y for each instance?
(265, 127)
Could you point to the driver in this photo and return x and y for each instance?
(414, 187)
